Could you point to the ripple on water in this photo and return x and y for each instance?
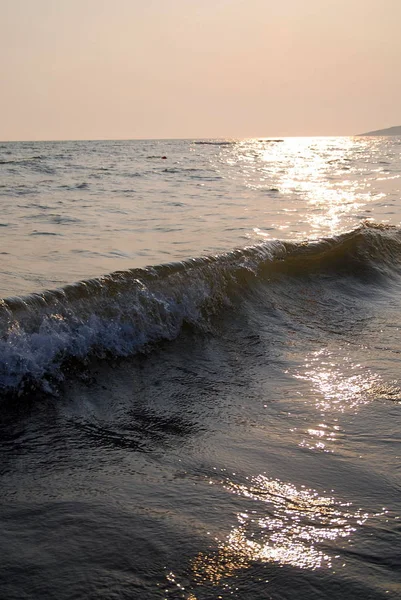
(286, 525)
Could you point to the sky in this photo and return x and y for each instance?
(135, 69)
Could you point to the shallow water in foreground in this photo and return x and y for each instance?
(223, 427)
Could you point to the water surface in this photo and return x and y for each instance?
(199, 369)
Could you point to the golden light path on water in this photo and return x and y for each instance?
(292, 525)
(320, 171)
(89, 218)
(329, 202)
(286, 527)
(339, 386)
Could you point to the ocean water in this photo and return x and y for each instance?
(200, 387)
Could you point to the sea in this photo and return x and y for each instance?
(200, 388)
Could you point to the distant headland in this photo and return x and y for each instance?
(388, 131)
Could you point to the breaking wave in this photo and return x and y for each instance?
(122, 313)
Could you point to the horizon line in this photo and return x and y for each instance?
(145, 139)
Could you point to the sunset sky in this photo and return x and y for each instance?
(110, 69)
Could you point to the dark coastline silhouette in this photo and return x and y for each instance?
(389, 131)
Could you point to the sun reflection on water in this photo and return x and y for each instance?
(320, 179)
(288, 525)
(339, 386)
(343, 385)
(322, 437)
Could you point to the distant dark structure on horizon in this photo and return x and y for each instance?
(388, 131)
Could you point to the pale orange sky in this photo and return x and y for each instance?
(110, 69)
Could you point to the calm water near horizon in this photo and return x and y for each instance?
(200, 369)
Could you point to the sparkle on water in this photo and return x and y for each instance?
(339, 385)
(83, 209)
(286, 527)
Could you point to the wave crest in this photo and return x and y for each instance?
(125, 311)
